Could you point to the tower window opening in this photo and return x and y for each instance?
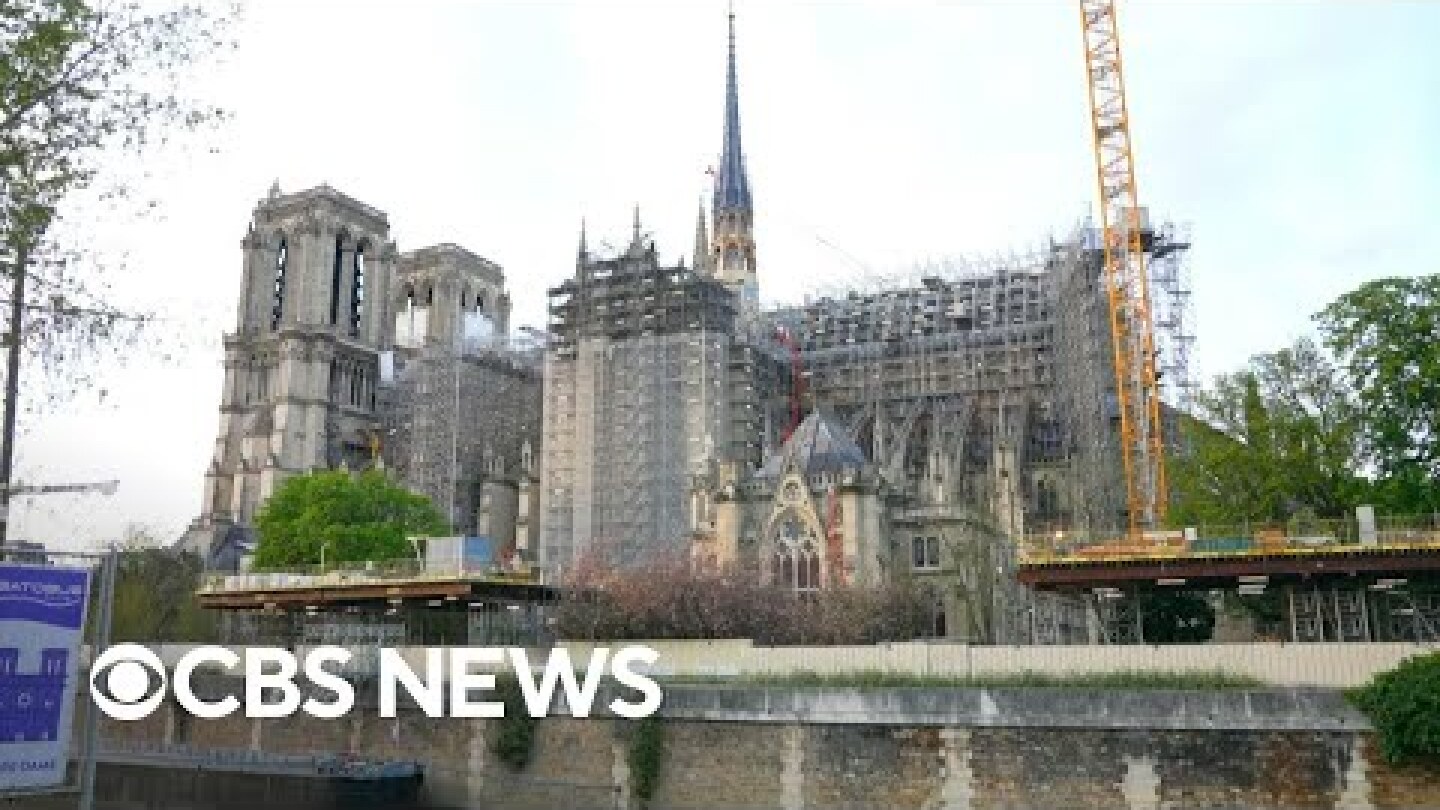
(278, 292)
(337, 280)
(357, 292)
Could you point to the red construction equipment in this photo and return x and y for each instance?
(797, 380)
(834, 539)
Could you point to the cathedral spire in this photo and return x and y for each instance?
(702, 243)
(638, 247)
(732, 187)
(732, 246)
(583, 251)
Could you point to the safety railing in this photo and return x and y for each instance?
(1242, 539)
(338, 575)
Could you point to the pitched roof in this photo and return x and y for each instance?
(817, 446)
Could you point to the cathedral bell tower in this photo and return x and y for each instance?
(302, 366)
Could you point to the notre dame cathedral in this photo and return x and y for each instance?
(923, 428)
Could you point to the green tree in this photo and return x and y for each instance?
(1277, 439)
(1388, 332)
(84, 86)
(155, 594)
(353, 517)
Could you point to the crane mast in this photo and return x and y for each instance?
(1125, 279)
(797, 381)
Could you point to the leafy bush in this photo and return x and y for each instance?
(155, 596)
(515, 738)
(1404, 706)
(668, 598)
(647, 749)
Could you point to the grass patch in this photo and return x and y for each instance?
(1118, 679)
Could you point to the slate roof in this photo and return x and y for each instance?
(818, 446)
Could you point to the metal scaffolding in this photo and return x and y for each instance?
(990, 384)
(651, 378)
(456, 417)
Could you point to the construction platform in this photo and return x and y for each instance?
(383, 583)
(382, 604)
(1220, 559)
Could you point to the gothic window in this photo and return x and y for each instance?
(807, 568)
(1046, 502)
(337, 279)
(925, 553)
(278, 297)
(357, 291)
(796, 562)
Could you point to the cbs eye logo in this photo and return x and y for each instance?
(127, 681)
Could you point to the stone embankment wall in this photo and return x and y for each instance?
(937, 749)
(1333, 665)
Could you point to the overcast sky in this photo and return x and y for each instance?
(1298, 138)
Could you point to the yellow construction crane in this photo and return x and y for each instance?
(1126, 283)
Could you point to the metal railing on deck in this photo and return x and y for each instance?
(1246, 539)
(346, 574)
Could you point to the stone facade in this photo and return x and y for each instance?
(814, 515)
(336, 336)
(303, 364)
